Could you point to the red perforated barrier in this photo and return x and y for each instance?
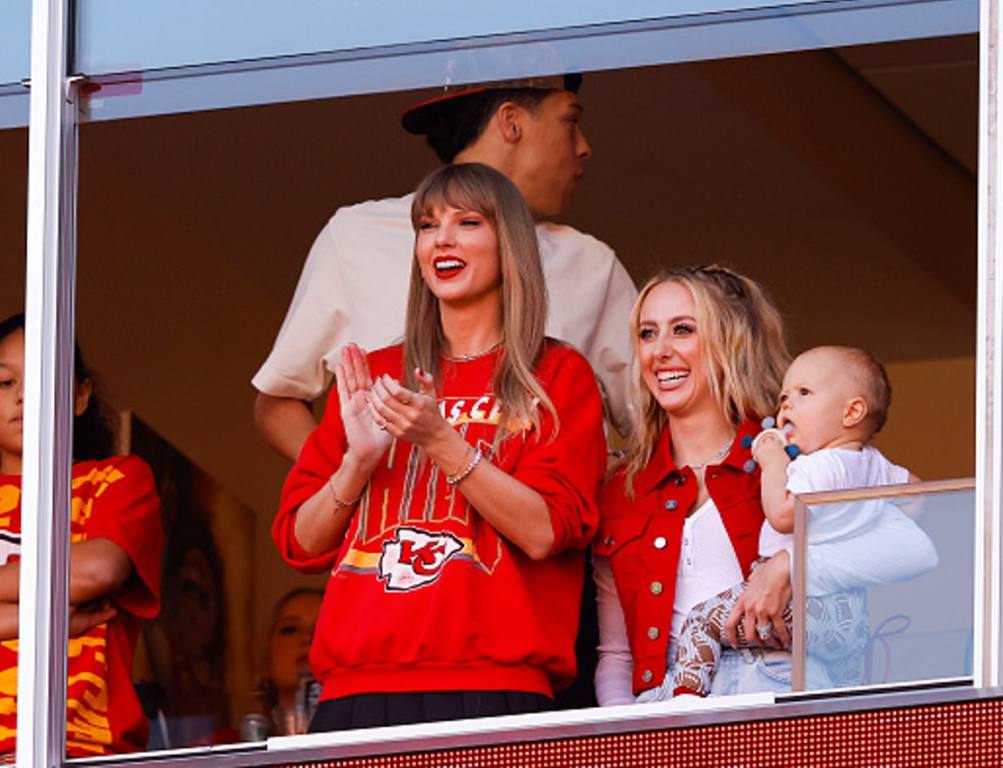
(969, 734)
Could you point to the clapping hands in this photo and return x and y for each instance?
(366, 439)
(374, 411)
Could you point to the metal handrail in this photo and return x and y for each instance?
(887, 491)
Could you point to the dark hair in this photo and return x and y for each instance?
(458, 123)
(95, 430)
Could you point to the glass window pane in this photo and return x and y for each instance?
(194, 228)
(15, 64)
(889, 589)
(14, 106)
(117, 38)
(13, 245)
(15, 40)
(228, 78)
(13, 217)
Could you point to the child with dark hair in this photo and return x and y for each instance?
(115, 547)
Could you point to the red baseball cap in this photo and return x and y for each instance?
(417, 118)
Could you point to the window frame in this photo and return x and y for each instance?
(57, 106)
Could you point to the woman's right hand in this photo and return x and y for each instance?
(366, 439)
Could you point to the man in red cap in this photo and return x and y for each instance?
(354, 283)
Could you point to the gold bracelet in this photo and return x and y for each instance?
(457, 478)
(338, 503)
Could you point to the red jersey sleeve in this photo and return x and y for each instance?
(321, 455)
(567, 469)
(126, 512)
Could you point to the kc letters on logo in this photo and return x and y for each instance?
(415, 558)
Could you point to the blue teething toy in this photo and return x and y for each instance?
(768, 423)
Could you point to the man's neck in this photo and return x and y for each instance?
(499, 157)
(485, 152)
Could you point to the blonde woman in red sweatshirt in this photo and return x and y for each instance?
(450, 488)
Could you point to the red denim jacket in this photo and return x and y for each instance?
(642, 538)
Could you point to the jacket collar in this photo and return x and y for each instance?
(661, 465)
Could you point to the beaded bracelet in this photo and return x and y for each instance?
(338, 503)
(468, 450)
(462, 474)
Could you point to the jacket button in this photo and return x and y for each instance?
(671, 504)
(680, 479)
(656, 587)
(653, 633)
(609, 541)
(647, 676)
(660, 542)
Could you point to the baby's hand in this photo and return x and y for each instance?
(769, 444)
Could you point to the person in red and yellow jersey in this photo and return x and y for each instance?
(116, 541)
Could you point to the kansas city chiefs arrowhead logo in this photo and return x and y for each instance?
(415, 558)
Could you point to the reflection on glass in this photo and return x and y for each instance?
(117, 36)
(288, 690)
(894, 602)
(193, 657)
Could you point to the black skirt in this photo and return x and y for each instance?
(370, 710)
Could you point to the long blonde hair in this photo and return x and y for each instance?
(477, 187)
(742, 338)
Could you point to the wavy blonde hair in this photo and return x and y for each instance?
(477, 187)
(742, 339)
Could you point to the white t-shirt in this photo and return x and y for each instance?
(835, 469)
(354, 288)
(707, 563)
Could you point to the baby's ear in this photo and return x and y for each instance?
(854, 412)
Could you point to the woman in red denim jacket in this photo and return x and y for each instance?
(680, 522)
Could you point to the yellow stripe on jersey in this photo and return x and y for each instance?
(370, 561)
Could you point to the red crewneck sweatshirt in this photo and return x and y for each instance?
(424, 595)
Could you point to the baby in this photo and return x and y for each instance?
(834, 400)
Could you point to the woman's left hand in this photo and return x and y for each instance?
(763, 604)
(411, 416)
